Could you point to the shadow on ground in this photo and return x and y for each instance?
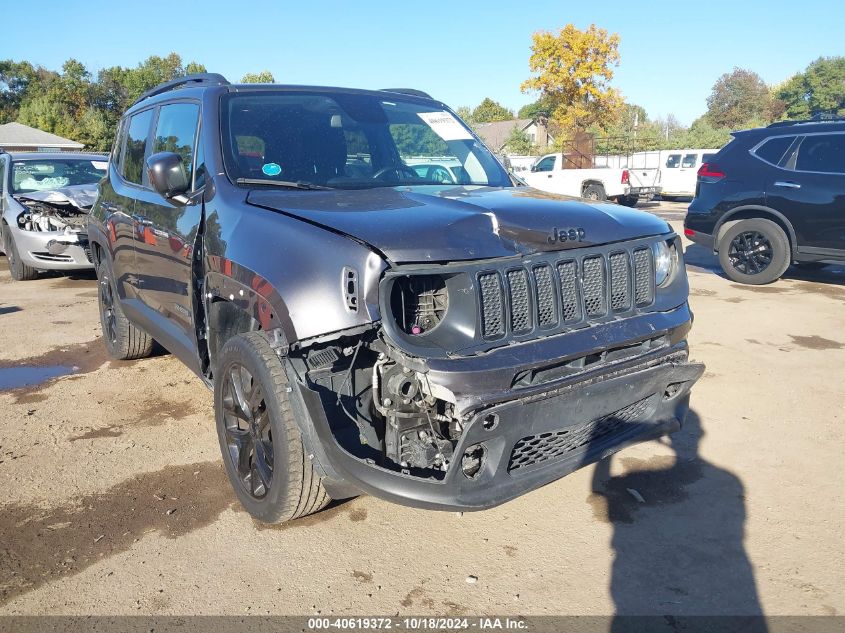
(678, 532)
(701, 259)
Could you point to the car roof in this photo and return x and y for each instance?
(56, 156)
(799, 127)
(197, 91)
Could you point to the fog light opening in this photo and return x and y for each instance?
(473, 460)
(490, 422)
(672, 390)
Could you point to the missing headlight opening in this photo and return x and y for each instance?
(419, 302)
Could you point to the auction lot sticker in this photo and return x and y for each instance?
(445, 126)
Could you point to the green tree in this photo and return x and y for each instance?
(488, 111)
(542, 108)
(819, 89)
(701, 133)
(573, 72)
(737, 98)
(264, 77)
(519, 143)
(18, 81)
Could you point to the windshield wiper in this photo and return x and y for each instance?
(285, 184)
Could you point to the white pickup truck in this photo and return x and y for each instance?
(625, 186)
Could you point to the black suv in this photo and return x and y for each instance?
(771, 197)
(366, 329)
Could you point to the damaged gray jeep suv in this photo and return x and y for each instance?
(445, 345)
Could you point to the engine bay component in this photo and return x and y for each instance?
(61, 210)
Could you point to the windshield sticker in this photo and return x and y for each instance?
(445, 126)
(99, 164)
(271, 169)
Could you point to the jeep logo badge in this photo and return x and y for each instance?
(567, 235)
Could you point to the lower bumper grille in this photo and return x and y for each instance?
(536, 449)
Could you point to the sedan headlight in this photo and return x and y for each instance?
(665, 263)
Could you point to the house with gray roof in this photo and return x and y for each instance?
(496, 133)
(17, 137)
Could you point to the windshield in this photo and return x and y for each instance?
(350, 141)
(53, 173)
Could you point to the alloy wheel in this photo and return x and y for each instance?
(107, 309)
(248, 433)
(750, 252)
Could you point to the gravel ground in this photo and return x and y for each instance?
(114, 500)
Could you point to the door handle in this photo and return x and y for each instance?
(549, 176)
(787, 184)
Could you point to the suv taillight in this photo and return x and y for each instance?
(625, 177)
(711, 170)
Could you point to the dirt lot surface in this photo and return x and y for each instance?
(114, 499)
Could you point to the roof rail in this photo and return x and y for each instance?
(821, 117)
(211, 79)
(408, 91)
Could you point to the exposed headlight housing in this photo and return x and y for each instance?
(665, 263)
(419, 303)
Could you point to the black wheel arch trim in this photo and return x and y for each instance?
(727, 217)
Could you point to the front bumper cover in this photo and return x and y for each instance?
(69, 249)
(538, 436)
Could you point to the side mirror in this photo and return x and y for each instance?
(167, 174)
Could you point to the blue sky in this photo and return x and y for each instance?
(459, 51)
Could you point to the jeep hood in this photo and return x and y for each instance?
(440, 224)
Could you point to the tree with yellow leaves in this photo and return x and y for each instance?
(574, 69)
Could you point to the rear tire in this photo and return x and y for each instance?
(265, 457)
(628, 201)
(19, 270)
(594, 193)
(124, 341)
(754, 252)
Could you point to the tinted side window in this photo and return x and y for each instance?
(136, 147)
(547, 164)
(772, 151)
(176, 131)
(824, 153)
(673, 161)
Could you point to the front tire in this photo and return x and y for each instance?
(124, 341)
(754, 251)
(265, 457)
(18, 269)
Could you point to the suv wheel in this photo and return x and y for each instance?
(754, 251)
(124, 341)
(262, 447)
(595, 193)
(19, 270)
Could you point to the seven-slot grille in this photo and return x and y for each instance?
(546, 296)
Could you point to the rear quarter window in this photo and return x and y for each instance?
(772, 150)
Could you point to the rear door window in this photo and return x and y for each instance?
(176, 132)
(773, 149)
(137, 136)
(824, 153)
(673, 161)
(689, 160)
